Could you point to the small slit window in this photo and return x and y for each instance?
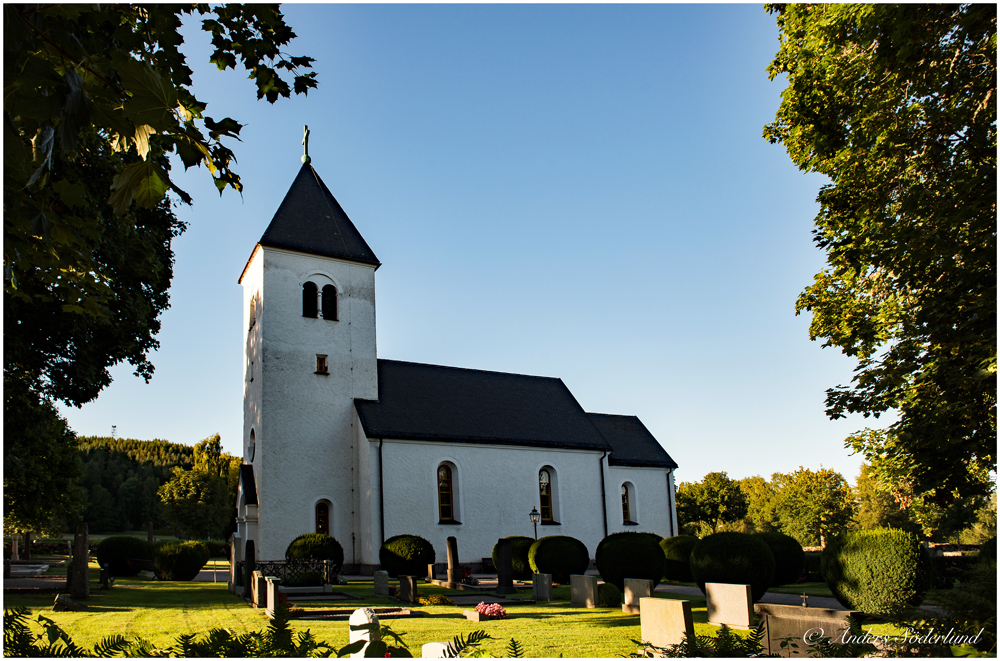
(545, 495)
(329, 300)
(628, 504)
(321, 364)
(446, 494)
(310, 300)
(322, 518)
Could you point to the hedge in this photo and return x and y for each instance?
(733, 557)
(677, 557)
(624, 555)
(115, 552)
(316, 546)
(560, 556)
(789, 558)
(406, 555)
(879, 571)
(519, 547)
(180, 562)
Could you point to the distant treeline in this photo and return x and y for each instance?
(121, 477)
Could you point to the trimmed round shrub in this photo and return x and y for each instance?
(609, 596)
(624, 555)
(180, 562)
(789, 558)
(406, 555)
(677, 557)
(733, 557)
(560, 556)
(115, 552)
(988, 550)
(518, 556)
(879, 571)
(316, 546)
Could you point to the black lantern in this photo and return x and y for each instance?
(535, 518)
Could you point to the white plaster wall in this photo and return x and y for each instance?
(651, 507)
(305, 434)
(497, 486)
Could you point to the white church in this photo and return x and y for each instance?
(339, 441)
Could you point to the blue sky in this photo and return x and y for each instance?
(579, 191)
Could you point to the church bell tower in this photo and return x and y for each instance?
(309, 352)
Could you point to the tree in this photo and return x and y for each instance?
(813, 506)
(97, 97)
(877, 507)
(760, 498)
(715, 500)
(196, 503)
(897, 105)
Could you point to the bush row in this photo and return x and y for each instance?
(171, 562)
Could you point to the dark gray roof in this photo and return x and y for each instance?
(310, 220)
(431, 402)
(249, 484)
(631, 442)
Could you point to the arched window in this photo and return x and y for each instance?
(330, 303)
(545, 494)
(251, 447)
(446, 494)
(253, 311)
(310, 300)
(628, 503)
(322, 518)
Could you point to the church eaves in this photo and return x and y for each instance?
(310, 220)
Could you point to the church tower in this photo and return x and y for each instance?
(309, 352)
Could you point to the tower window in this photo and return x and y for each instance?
(310, 300)
(321, 366)
(330, 303)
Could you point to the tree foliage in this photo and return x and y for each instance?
(897, 105)
(713, 501)
(814, 506)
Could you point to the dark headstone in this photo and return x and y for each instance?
(80, 570)
(408, 589)
(801, 625)
(454, 573)
(505, 568)
(107, 580)
(64, 603)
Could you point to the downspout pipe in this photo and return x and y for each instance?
(604, 497)
(670, 504)
(381, 492)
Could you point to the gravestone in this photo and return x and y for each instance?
(80, 569)
(583, 591)
(663, 622)
(430, 572)
(272, 593)
(636, 589)
(381, 579)
(730, 604)
(408, 589)
(149, 532)
(106, 579)
(258, 590)
(361, 617)
(505, 568)
(13, 549)
(64, 603)
(437, 651)
(541, 587)
(803, 626)
(454, 573)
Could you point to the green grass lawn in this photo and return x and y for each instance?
(159, 611)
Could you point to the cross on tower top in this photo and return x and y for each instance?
(305, 143)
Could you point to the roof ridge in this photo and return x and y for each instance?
(472, 369)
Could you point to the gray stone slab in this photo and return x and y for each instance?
(663, 622)
(505, 568)
(583, 591)
(64, 603)
(802, 626)
(381, 578)
(541, 587)
(636, 589)
(730, 604)
(408, 589)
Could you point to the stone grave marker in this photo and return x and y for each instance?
(13, 549)
(663, 622)
(454, 573)
(430, 572)
(730, 604)
(437, 651)
(258, 590)
(799, 624)
(364, 616)
(636, 589)
(408, 589)
(272, 594)
(64, 603)
(541, 587)
(505, 568)
(80, 569)
(381, 579)
(583, 591)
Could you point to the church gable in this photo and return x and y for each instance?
(432, 402)
(310, 220)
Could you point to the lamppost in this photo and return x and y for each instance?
(535, 518)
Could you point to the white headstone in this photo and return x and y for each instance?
(364, 616)
(729, 604)
(436, 650)
(636, 589)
